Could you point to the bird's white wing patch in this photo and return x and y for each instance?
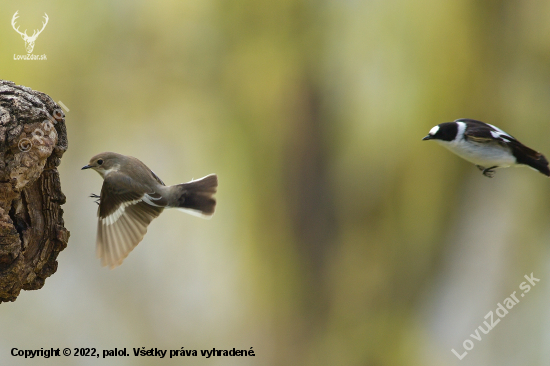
(151, 200)
(496, 134)
(500, 134)
(117, 238)
(112, 218)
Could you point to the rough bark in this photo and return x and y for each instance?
(33, 139)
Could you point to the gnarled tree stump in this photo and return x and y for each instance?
(33, 138)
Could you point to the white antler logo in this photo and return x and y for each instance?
(29, 41)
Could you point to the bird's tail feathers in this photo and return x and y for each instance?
(538, 163)
(195, 197)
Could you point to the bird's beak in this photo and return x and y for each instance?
(86, 167)
(428, 137)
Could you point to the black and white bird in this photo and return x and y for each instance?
(132, 196)
(487, 146)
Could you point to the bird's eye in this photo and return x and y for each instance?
(100, 161)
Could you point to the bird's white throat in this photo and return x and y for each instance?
(104, 173)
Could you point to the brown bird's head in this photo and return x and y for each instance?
(105, 162)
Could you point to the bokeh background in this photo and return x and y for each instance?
(340, 238)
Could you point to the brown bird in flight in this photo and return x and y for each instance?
(132, 196)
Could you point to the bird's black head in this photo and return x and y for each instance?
(445, 131)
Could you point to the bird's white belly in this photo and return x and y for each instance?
(484, 154)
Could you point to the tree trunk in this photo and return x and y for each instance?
(32, 140)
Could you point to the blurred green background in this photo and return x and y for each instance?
(340, 238)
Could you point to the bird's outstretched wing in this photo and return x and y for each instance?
(123, 217)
